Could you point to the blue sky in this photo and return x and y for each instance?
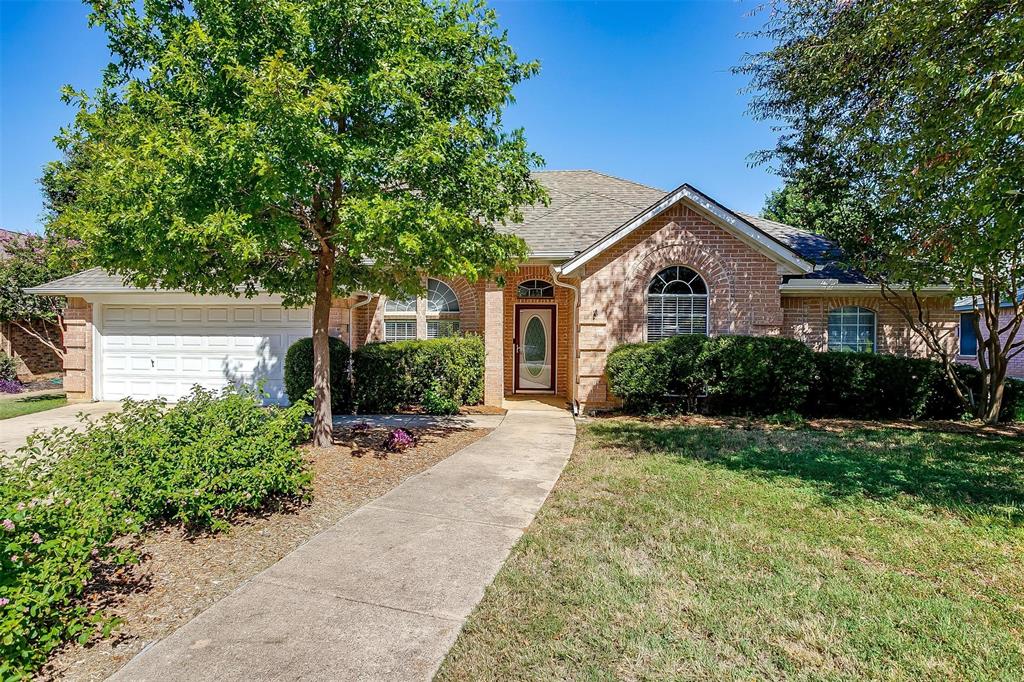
(636, 89)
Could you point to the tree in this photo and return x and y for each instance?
(307, 149)
(27, 261)
(918, 110)
(797, 204)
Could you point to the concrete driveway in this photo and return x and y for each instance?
(15, 430)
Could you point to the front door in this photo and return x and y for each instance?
(535, 348)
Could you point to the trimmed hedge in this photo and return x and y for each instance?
(298, 373)
(440, 375)
(769, 375)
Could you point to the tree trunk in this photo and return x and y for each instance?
(322, 425)
(993, 383)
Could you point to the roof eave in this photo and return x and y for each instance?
(800, 287)
(720, 214)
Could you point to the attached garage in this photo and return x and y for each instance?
(122, 342)
(151, 351)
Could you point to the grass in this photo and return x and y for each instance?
(15, 407)
(684, 550)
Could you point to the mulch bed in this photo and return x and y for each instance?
(182, 575)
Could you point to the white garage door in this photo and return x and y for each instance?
(158, 351)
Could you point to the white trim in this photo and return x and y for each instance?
(97, 351)
(146, 297)
(720, 215)
(805, 287)
(874, 328)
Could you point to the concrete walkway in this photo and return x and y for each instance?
(15, 430)
(383, 594)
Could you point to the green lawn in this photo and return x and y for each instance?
(15, 407)
(679, 550)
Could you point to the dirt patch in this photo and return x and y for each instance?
(181, 576)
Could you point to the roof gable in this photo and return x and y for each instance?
(740, 227)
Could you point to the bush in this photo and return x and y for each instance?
(391, 376)
(298, 373)
(8, 367)
(71, 497)
(771, 375)
(874, 386)
(639, 374)
(755, 374)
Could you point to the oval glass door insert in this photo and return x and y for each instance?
(535, 346)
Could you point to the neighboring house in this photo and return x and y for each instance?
(34, 358)
(968, 338)
(612, 261)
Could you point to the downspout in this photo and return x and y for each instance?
(573, 360)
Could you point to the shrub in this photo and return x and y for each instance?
(70, 495)
(398, 440)
(8, 367)
(298, 373)
(874, 386)
(435, 401)
(390, 376)
(755, 374)
(10, 386)
(639, 374)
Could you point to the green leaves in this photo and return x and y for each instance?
(227, 136)
(71, 495)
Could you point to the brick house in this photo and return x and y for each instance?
(968, 347)
(612, 261)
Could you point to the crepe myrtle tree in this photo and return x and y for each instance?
(914, 112)
(308, 149)
(28, 260)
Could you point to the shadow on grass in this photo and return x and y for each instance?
(961, 473)
(30, 399)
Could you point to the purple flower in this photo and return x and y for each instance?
(36, 539)
(7, 524)
(399, 440)
(8, 386)
(4, 601)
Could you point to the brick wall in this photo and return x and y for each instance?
(78, 350)
(34, 359)
(743, 288)
(1016, 367)
(562, 300)
(805, 318)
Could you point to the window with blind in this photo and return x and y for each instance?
(851, 329)
(439, 328)
(399, 330)
(677, 304)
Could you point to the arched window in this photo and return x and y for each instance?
(851, 329)
(407, 305)
(442, 310)
(677, 303)
(441, 298)
(535, 288)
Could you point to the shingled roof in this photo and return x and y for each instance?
(585, 206)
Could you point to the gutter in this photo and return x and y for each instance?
(572, 336)
(833, 286)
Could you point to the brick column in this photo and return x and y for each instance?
(78, 350)
(494, 340)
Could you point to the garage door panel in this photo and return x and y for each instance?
(163, 351)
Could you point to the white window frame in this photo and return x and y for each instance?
(440, 306)
(705, 298)
(860, 310)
